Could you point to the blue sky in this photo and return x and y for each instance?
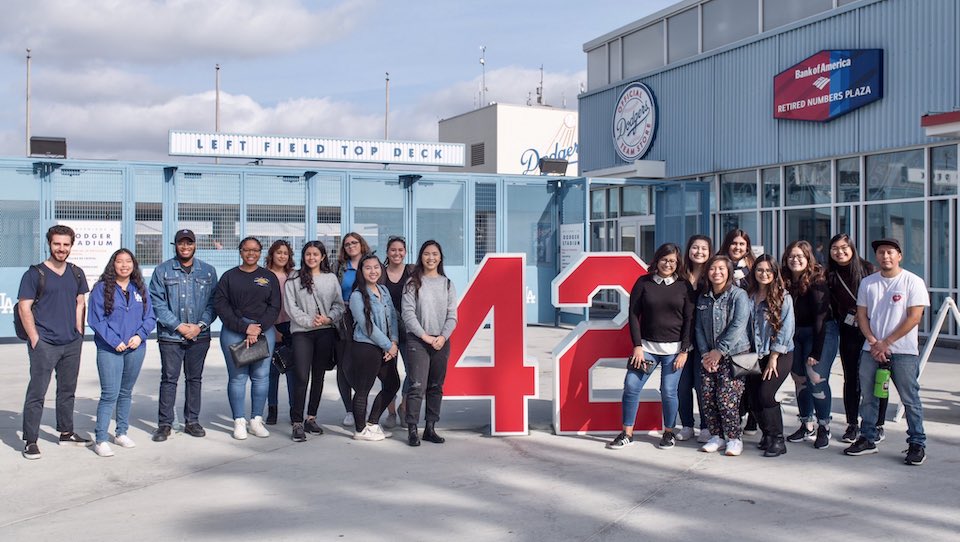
(114, 76)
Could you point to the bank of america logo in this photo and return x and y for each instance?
(821, 82)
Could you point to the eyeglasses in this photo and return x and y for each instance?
(351, 243)
(667, 262)
(839, 248)
(795, 257)
(764, 271)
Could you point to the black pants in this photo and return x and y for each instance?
(366, 366)
(427, 370)
(44, 360)
(851, 344)
(763, 394)
(188, 356)
(312, 354)
(344, 351)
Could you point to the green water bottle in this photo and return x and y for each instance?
(881, 385)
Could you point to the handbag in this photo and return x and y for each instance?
(744, 364)
(282, 358)
(244, 355)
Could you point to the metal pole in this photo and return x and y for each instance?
(28, 103)
(217, 113)
(483, 75)
(386, 115)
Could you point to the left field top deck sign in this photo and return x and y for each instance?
(225, 145)
(828, 84)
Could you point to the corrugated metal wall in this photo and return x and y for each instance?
(716, 113)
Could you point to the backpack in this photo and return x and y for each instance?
(17, 323)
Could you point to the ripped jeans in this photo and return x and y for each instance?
(814, 399)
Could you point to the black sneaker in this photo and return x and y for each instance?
(823, 437)
(271, 415)
(194, 429)
(161, 434)
(861, 447)
(622, 441)
(851, 434)
(916, 454)
(31, 451)
(880, 435)
(669, 440)
(802, 434)
(73, 439)
(298, 434)
(310, 426)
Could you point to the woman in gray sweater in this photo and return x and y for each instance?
(312, 298)
(429, 312)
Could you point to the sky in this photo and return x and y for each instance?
(114, 76)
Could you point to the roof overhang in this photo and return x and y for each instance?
(941, 124)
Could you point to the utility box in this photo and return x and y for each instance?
(49, 147)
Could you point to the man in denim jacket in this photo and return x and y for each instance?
(182, 293)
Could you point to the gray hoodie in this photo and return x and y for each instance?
(302, 305)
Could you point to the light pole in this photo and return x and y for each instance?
(28, 102)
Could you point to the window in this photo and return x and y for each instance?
(808, 183)
(440, 216)
(530, 224)
(848, 180)
(780, 12)
(771, 186)
(20, 233)
(811, 225)
(731, 221)
(901, 221)
(726, 21)
(598, 204)
(597, 74)
(148, 229)
(485, 220)
(943, 170)
(895, 175)
(615, 69)
(643, 50)
(378, 211)
(738, 190)
(941, 243)
(636, 201)
(683, 32)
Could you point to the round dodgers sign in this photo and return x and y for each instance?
(634, 122)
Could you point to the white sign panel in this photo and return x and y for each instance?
(95, 242)
(571, 247)
(222, 145)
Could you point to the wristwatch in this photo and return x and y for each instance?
(203, 326)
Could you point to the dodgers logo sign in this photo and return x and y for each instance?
(828, 84)
(634, 122)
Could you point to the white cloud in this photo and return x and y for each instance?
(169, 31)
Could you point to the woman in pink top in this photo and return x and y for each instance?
(280, 262)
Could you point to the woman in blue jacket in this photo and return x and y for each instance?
(771, 332)
(121, 316)
(374, 353)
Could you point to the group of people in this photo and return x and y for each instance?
(728, 327)
(356, 314)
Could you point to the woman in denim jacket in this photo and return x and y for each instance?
(771, 332)
(721, 331)
(374, 353)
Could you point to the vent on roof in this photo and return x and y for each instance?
(477, 154)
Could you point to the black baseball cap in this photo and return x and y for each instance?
(889, 242)
(184, 234)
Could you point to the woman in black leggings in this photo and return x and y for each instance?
(771, 327)
(845, 270)
(375, 350)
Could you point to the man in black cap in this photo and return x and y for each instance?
(182, 293)
(890, 306)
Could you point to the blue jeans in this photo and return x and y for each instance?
(634, 381)
(258, 373)
(118, 374)
(690, 384)
(814, 399)
(904, 372)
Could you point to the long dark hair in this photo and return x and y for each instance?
(109, 280)
(662, 252)
(857, 266)
(306, 277)
(812, 274)
(728, 240)
(273, 250)
(775, 291)
(361, 286)
(689, 265)
(416, 276)
(342, 255)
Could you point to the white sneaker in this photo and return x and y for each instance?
(240, 429)
(704, 436)
(368, 433)
(257, 428)
(714, 444)
(379, 429)
(685, 434)
(734, 447)
(103, 449)
(348, 420)
(124, 441)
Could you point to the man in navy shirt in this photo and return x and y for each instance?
(53, 318)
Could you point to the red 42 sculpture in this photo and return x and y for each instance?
(510, 380)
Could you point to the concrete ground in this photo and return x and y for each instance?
(474, 487)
